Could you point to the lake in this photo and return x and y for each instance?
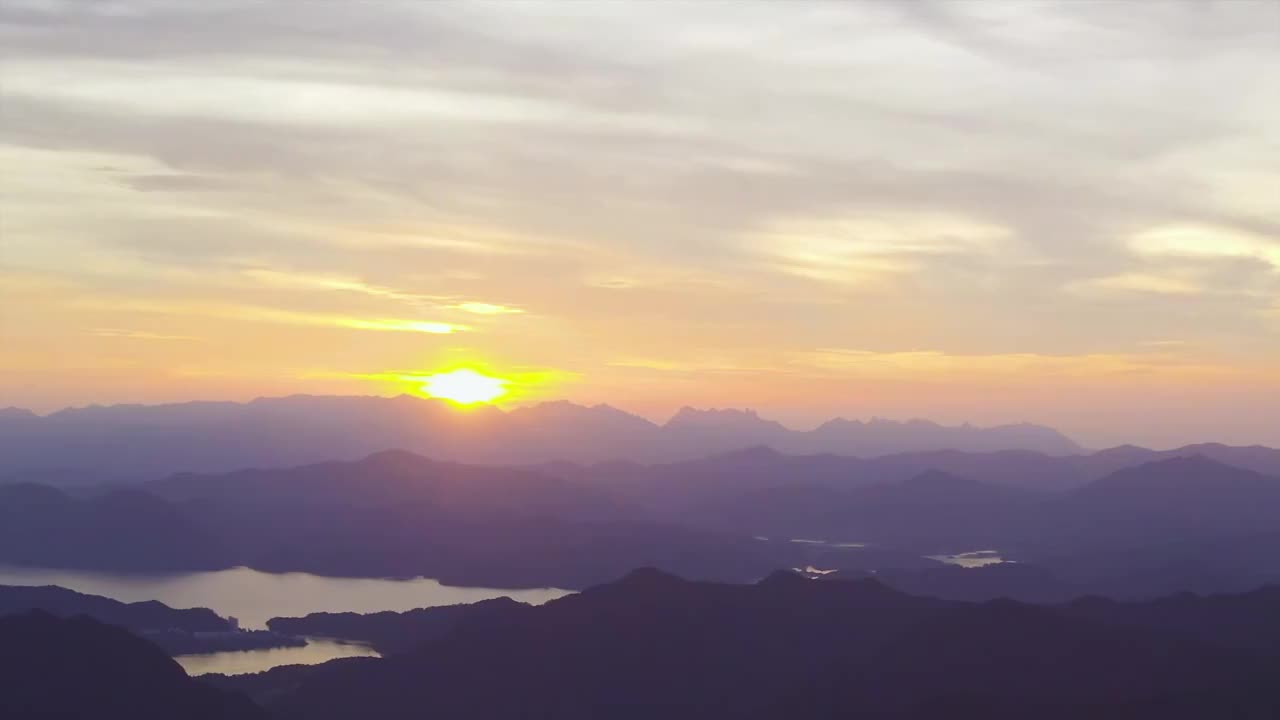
(317, 650)
(975, 559)
(255, 597)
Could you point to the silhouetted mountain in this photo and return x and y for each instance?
(1041, 658)
(399, 514)
(693, 433)
(693, 483)
(1248, 620)
(1013, 468)
(138, 616)
(270, 685)
(120, 530)
(1131, 575)
(563, 430)
(1143, 564)
(1140, 532)
(653, 645)
(761, 467)
(762, 492)
(391, 632)
(1180, 498)
(177, 632)
(395, 477)
(1257, 458)
(154, 441)
(884, 437)
(741, 422)
(13, 418)
(392, 514)
(675, 486)
(53, 668)
(1016, 581)
(930, 509)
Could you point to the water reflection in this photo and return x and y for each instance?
(811, 571)
(255, 597)
(975, 559)
(824, 543)
(316, 651)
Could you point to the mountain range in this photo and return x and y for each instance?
(1169, 524)
(130, 442)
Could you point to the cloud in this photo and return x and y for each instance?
(1027, 367)
(303, 281)
(252, 313)
(1139, 282)
(173, 182)
(434, 328)
(863, 248)
(137, 334)
(121, 86)
(1202, 242)
(483, 308)
(715, 366)
(1189, 260)
(984, 180)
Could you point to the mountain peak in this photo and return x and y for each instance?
(783, 579)
(565, 409)
(720, 419)
(688, 412)
(1182, 473)
(649, 577)
(553, 406)
(396, 458)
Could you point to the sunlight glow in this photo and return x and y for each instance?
(434, 328)
(465, 387)
(482, 308)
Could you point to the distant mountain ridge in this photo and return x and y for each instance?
(148, 441)
(1171, 524)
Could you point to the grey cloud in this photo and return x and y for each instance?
(176, 182)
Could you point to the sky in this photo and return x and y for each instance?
(1065, 213)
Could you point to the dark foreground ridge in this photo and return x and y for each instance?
(392, 632)
(176, 631)
(653, 645)
(56, 668)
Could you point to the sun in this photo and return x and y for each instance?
(465, 387)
